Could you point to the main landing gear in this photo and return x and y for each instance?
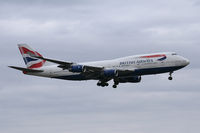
(115, 84)
(102, 84)
(170, 76)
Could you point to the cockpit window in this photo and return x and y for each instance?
(174, 53)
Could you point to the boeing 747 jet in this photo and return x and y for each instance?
(121, 70)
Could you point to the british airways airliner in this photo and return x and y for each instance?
(121, 70)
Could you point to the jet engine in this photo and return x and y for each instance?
(133, 79)
(110, 73)
(77, 68)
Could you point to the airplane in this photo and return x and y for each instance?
(121, 70)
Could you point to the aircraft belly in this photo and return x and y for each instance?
(147, 71)
(72, 77)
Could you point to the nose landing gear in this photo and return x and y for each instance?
(170, 76)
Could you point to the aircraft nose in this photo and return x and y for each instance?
(187, 62)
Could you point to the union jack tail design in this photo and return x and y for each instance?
(28, 55)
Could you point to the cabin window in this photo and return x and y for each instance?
(174, 53)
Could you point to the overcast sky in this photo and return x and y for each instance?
(89, 30)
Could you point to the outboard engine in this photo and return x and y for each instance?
(133, 79)
(77, 68)
(110, 73)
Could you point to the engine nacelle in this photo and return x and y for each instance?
(110, 73)
(133, 79)
(77, 68)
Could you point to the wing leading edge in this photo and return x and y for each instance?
(68, 65)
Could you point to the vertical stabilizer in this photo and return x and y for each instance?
(28, 55)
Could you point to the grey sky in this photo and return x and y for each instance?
(86, 30)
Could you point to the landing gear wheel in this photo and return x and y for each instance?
(114, 86)
(170, 78)
(98, 84)
(102, 84)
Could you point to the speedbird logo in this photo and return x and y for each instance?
(160, 57)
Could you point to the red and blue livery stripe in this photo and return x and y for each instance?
(160, 56)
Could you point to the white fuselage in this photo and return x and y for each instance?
(140, 65)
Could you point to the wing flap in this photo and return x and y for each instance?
(93, 68)
(122, 73)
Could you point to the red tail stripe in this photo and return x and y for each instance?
(24, 50)
(37, 65)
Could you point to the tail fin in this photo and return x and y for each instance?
(27, 54)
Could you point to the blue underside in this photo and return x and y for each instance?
(145, 71)
(148, 71)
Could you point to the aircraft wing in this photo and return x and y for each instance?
(89, 71)
(67, 65)
(62, 64)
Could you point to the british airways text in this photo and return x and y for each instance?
(136, 62)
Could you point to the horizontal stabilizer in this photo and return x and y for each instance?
(25, 69)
